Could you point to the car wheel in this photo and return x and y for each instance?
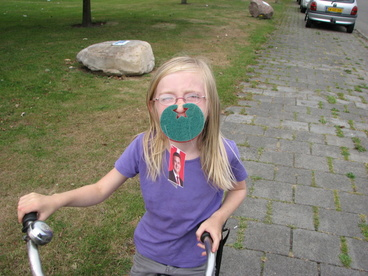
(308, 24)
(302, 10)
(350, 28)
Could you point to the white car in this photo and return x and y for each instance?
(338, 12)
(304, 5)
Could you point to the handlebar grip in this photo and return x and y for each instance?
(30, 217)
(205, 235)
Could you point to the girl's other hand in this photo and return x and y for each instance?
(33, 202)
(214, 227)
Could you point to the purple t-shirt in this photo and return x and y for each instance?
(166, 232)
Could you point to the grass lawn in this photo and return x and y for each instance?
(62, 126)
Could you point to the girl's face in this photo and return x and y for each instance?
(181, 84)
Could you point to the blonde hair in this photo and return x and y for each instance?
(210, 142)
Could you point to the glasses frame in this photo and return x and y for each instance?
(178, 98)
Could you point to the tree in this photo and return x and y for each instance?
(87, 18)
(183, 1)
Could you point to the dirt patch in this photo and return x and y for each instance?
(168, 26)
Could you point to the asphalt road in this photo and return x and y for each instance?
(362, 21)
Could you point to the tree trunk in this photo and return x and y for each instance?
(87, 18)
(184, 1)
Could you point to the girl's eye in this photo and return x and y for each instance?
(192, 97)
(167, 98)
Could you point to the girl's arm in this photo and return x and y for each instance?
(214, 224)
(81, 197)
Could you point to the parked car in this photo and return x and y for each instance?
(337, 12)
(304, 5)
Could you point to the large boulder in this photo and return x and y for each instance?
(123, 57)
(259, 8)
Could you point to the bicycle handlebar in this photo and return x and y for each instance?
(37, 233)
(211, 257)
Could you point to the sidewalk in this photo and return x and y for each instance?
(298, 125)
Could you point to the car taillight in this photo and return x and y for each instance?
(354, 11)
(313, 6)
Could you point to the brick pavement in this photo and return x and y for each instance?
(298, 123)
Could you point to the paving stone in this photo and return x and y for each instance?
(256, 169)
(316, 246)
(252, 208)
(300, 216)
(314, 197)
(354, 203)
(325, 150)
(311, 162)
(273, 190)
(313, 104)
(236, 262)
(233, 223)
(263, 142)
(344, 167)
(333, 181)
(339, 223)
(279, 133)
(361, 185)
(277, 264)
(320, 129)
(278, 158)
(295, 125)
(265, 121)
(293, 175)
(247, 103)
(309, 137)
(358, 251)
(356, 156)
(238, 118)
(248, 153)
(240, 132)
(267, 237)
(308, 118)
(353, 133)
(295, 147)
(333, 140)
(331, 270)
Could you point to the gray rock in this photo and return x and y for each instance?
(259, 8)
(125, 57)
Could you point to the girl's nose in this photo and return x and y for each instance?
(180, 103)
(180, 110)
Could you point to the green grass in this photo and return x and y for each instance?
(63, 127)
(357, 144)
(344, 256)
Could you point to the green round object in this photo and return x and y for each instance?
(184, 128)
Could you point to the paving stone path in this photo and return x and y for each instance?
(301, 125)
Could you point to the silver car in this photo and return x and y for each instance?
(339, 12)
(304, 5)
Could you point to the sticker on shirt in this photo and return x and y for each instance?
(176, 167)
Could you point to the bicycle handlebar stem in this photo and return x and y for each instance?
(34, 258)
(211, 257)
(38, 233)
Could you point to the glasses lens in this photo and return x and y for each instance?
(192, 98)
(167, 99)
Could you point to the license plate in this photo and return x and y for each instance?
(333, 9)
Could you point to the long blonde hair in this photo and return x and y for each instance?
(213, 155)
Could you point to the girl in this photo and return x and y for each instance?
(184, 112)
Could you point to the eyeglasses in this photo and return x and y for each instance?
(169, 99)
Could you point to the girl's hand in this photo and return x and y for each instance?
(43, 205)
(213, 226)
